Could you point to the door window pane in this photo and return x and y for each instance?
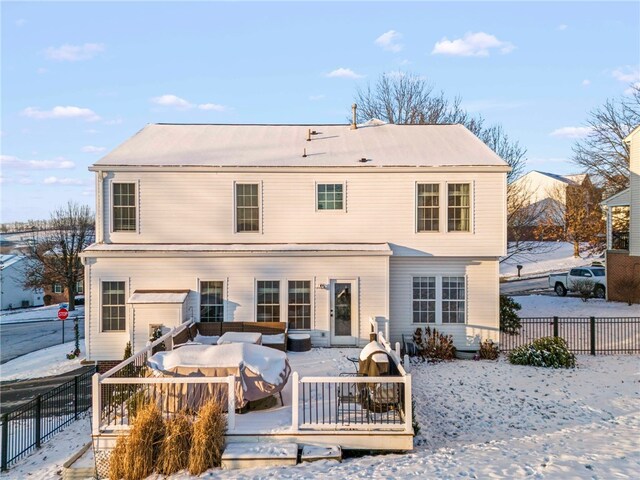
(342, 309)
(211, 303)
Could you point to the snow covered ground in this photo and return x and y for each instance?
(37, 314)
(42, 363)
(551, 305)
(478, 420)
(551, 256)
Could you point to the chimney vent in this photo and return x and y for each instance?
(354, 126)
(309, 135)
(304, 153)
(363, 160)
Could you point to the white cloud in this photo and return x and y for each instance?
(62, 181)
(471, 44)
(92, 149)
(9, 161)
(315, 98)
(171, 101)
(74, 53)
(571, 132)
(586, 82)
(389, 41)
(61, 112)
(344, 73)
(562, 27)
(212, 106)
(627, 74)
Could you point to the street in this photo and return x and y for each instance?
(526, 286)
(21, 338)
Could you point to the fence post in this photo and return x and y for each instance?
(406, 363)
(75, 397)
(38, 419)
(592, 321)
(5, 442)
(294, 402)
(95, 400)
(408, 407)
(555, 327)
(231, 405)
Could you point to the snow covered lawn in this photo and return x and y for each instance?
(550, 257)
(551, 305)
(37, 314)
(478, 420)
(42, 363)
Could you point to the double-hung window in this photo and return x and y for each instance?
(247, 207)
(211, 303)
(299, 314)
(453, 299)
(57, 288)
(459, 207)
(80, 287)
(428, 207)
(330, 196)
(113, 306)
(424, 299)
(268, 305)
(124, 207)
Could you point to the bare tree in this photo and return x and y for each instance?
(54, 254)
(405, 98)
(603, 152)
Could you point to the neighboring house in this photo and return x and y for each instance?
(13, 292)
(547, 193)
(623, 227)
(320, 226)
(58, 293)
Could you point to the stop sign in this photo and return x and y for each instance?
(63, 313)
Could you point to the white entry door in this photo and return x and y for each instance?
(343, 312)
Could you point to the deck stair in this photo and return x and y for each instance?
(259, 454)
(312, 453)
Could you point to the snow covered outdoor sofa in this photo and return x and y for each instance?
(274, 334)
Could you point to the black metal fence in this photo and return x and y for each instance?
(591, 335)
(28, 426)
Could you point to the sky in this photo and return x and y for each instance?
(79, 78)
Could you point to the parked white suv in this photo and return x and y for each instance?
(565, 282)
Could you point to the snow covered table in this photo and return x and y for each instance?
(259, 372)
(241, 337)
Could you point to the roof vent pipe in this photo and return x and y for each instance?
(354, 126)
(309, 135)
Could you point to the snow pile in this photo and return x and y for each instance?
(206, 339)
(549, 306)
(548, 257)
(265, 361)
(38, 314)
(42, 363)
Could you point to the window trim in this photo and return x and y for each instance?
(416, 207)
(224, 296)
(136, 195)
(334, 211)
(126, 305)
(471, 229)
(255, 302)
(312, 285)
(235, 206)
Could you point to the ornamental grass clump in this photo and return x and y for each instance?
(174, 450)
(434, 345)
(544, 352)
(207, 441)
(116, 460)
(488, 350)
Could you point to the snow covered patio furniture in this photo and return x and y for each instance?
(274, 334)
(240, 337)
(260, 372)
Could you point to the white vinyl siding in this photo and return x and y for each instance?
(247, 207)
(268, 301)
(124, 207)
(211, 301)
(113, 306)
(428, 207)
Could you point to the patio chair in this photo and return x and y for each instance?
(408, 345)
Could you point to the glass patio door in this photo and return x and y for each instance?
(342, 312)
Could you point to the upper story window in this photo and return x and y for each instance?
(247, 207)
(211, 304)
(330, 196)
(113, 306)
(299, 314)
(268, 305)
(428, 205)
(458, 207)
(124, 207)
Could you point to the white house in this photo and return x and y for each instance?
(320, 226)
(13, 294)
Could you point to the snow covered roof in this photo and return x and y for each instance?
(381, 144)
(7, 260)
(158, 296)
(568, 179)
(239, 248)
